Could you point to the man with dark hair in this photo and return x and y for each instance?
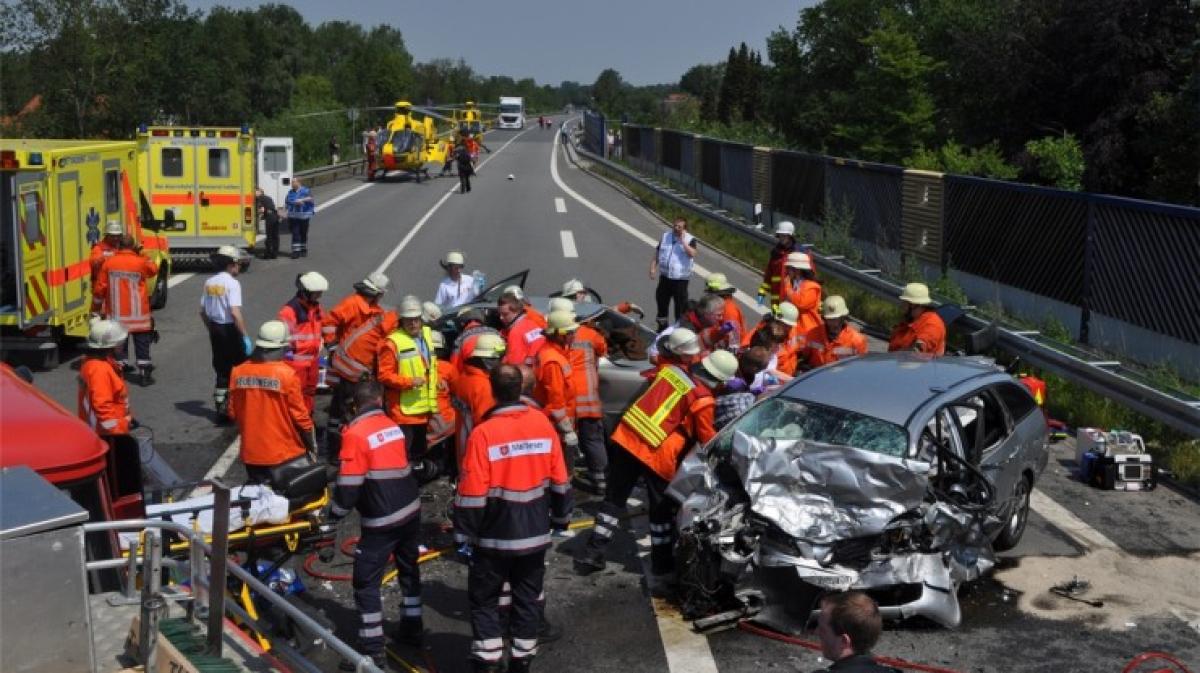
(375, 478)
(512, 491)
(848, 627)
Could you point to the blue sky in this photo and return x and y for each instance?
(647, 41)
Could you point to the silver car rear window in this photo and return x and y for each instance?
(788, 420)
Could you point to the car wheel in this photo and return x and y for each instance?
(1014, 528)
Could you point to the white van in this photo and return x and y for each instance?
(274, 162)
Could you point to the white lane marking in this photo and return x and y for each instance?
(1066, 521)
(746, 299)
(429, 213)
(343, 196)
(560, 206)
(177, 278)
(568, 243)
(231, 453)
(220, 467)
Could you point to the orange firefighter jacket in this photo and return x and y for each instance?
(807, 298)
(586, 350)
(523, 338)
(928, 329)
(444, 420)
(673, 413)
(553, 388)
(819, 350)
(120, 290)
(266, 403)
(103, 401)
(100, 252)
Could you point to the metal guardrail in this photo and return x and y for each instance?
(1120, 384)
(362, 662)
(323, 175)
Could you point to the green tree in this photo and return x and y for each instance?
(986, 161)
(889, 110)
(608, 91)
(1056, 161)
(704, 83)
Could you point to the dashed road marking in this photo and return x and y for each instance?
(560, 205)
(746, 299)
(568, 244)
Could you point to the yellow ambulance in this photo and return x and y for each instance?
(56, 196)
(198, 183)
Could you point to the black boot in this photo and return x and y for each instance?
(147, 375)
(520, 665)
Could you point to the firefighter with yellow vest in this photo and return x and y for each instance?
(408, 370)
(652, 437)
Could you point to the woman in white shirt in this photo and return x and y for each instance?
(455, 289)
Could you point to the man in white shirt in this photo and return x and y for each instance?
(221, 313)
(455, 289)
(672, 262)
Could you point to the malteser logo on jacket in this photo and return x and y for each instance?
(525, 447)
(382, 437)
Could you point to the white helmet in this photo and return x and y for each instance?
(513, 291)
(430, 311)
(113, 228)
(410, 307)
(562, 304)
(436, 339)
(788, 314)
(721, 364)
(272, 335)
(312, 282)
(916, 293)
(683, 341)
(376, 283)
(799, 260)
(561, 322)
(487, 345)
(834, 307)
(106, 334)
(785, 228)
(573, 287)
(229, 251)
(454, 257)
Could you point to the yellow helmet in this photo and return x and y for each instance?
(561, 322)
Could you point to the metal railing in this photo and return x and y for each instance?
(201, 587)
(1109, 379)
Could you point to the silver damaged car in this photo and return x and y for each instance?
(897, 474)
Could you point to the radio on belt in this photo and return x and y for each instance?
(1114, 460)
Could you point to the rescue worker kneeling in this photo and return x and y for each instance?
(375, 478)
(653, 436)
(513, 489)
(266, 402)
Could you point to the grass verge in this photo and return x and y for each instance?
(1066, 401)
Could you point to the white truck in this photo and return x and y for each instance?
(512, 113)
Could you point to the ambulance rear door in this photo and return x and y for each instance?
(275, 158)
(222, 185)
(169, 160)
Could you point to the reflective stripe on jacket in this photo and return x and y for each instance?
(346, 317)
(586, 350)
(103, 399)
(523, 339)
(266, 402)
(121, 289)
(355, 357)
(665, 420)
(374, 475)
(401, 361)
(304, 330)
(513, 483)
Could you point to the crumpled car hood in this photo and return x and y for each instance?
(820, 492)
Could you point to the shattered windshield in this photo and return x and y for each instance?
(789, 420)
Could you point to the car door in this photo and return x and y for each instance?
(492, 292)
(988, 440)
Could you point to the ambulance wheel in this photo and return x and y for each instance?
(1014, 527)
(159, 298)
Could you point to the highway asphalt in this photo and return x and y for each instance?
(1137, 549)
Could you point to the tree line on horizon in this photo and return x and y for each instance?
(1095, 95)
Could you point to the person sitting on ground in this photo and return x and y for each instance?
(848, 627)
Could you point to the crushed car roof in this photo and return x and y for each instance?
(889, 386)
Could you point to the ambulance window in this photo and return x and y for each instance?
(275, 159)
(33, 224)
(172, 162)
(218, 162)
(112, 192)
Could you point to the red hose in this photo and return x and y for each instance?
(1151, 656)
(816, 647)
